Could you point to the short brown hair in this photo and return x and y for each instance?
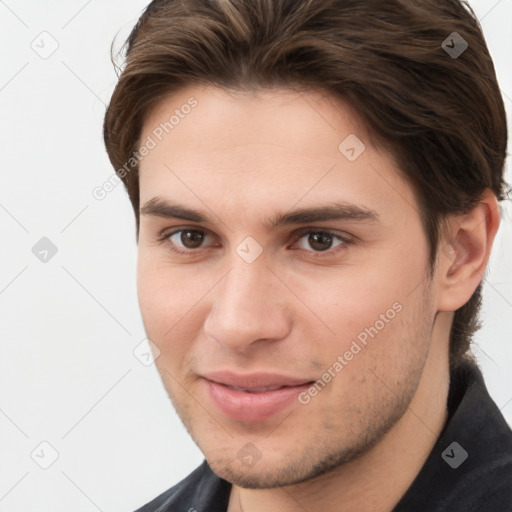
(441, 116)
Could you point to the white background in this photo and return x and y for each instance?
(68, 375)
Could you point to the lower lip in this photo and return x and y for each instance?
(244, 406)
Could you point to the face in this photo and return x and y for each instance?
(331, 306)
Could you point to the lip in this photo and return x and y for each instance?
(254, 380)
(252, 406)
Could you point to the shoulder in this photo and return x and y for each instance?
(200, 490)
(470, 466)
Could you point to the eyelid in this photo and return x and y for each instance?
(307, 229)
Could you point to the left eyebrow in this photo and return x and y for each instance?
(331, 211)
(159, 207)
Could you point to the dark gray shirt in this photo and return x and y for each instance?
(468, 470)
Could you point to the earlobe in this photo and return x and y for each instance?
(463, 256)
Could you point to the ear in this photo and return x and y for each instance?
(464, 252)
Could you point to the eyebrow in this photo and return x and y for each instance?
(159, 207)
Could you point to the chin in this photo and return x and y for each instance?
(277, 471)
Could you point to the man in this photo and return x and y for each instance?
(315, 186)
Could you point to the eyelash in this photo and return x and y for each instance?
(165, 237)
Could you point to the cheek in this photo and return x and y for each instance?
(163, 290)
(378, 314)
(159, 299)
(356, 299)
(171, 302)
(347, 300)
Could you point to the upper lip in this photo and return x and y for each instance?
(253, 380)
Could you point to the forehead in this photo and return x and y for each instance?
(263, 148)
(276, 116)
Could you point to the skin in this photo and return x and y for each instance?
(243, 157)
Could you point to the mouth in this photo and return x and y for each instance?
(252, 403)
(256, 381)
(262, 389)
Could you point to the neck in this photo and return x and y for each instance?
(376, 480)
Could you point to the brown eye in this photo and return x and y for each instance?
(322, 241)
(316, 242)
(191, 239)
(184, 241)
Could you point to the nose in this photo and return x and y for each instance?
(249, 305)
